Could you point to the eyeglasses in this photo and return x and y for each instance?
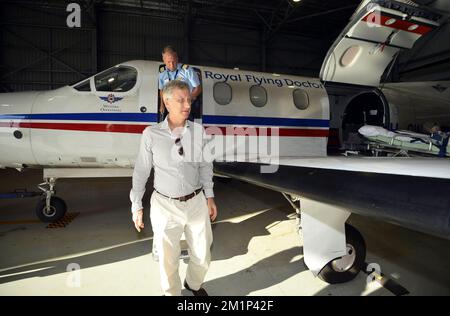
(178, 143)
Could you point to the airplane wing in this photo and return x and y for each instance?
(410, 192)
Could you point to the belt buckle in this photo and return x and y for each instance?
(189, 196)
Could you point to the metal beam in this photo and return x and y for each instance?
(38, 60)
(269, 27)
(263, 50)
(187, 33)
(287, 15)
(55, 27)
(353, 6)
(94, 38)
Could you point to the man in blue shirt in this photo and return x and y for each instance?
(175, 71)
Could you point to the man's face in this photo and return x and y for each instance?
(171, 61)
(179, 105)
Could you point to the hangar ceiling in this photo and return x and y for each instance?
(309, 18)
(40, 52)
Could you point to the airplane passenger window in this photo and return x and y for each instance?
(301, 99)
(258, 96)
(116, 79)
(222, 93)
(84, 86)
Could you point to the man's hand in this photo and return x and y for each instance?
(212, 209)
(138, 221)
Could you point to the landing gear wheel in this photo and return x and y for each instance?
(53, 213)
(346, 268)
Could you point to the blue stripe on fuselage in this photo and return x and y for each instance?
(152, 117)
(268, 121)
(126, 117)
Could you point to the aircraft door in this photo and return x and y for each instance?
(196, 106)
(371, 41)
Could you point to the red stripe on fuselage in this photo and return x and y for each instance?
(83, 127)
(138, 129)
(266, 131)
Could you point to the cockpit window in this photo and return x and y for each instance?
(116, 79)
(83, 86)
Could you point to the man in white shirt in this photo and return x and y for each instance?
(183, 199)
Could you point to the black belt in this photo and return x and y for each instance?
(183, 198)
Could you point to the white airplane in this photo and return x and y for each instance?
(93, 128)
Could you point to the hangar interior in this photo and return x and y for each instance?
(39, 52)
(257, 249)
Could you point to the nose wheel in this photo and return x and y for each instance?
(53, 212)
(50, 208)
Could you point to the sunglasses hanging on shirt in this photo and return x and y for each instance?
(178, 143)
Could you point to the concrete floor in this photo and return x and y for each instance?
(256, 250)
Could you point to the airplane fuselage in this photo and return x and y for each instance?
(90, 125)
(71, 127)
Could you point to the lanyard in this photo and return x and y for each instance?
(176, 74)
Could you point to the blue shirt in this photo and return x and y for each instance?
(183, 72)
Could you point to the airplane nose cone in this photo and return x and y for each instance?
(16, 107)
(15, 136)
(17, 101)
(16, 104)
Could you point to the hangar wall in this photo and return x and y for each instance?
(39, 52)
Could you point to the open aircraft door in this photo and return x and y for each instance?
(377, 32)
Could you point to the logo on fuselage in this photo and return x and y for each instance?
(111, 98)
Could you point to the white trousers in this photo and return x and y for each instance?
(170, 218)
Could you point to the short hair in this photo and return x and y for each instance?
(169, 50)
(168, 88)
